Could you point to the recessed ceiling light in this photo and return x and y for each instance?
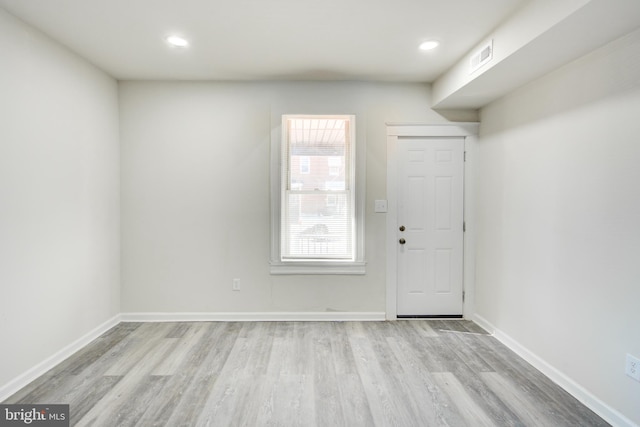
(428, 45)
(177, 41)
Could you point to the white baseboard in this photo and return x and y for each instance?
(329, 316)
(13, 386)
(606, 412)
(483, 323)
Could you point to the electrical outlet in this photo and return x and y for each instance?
(632, 367)
(236, 284)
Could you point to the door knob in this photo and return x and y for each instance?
(402, 241)
(402, 228)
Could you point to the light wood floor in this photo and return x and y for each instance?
(404, 373)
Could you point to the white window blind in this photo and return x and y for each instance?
(317, 194)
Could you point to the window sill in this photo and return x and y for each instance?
(318, 268)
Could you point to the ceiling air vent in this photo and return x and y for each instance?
(481, 57)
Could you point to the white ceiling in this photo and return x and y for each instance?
(267, 39)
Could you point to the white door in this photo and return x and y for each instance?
(430, 226)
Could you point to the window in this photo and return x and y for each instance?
(319, 227)
(305, 164)
(335, 164)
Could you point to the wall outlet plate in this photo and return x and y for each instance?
(236, 284)
(632, 367)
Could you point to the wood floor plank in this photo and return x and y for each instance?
(437, 354)
(178, 329)
(215, 351)
(529, 409)
(466, 351)
(261, 334)
(99, 347)
(467, 368)
(470, 411)
(140, 342)
(224, 402)
(434, 406)
(341, 349)
(386, 402)
(133, 408)
(483, 395)
(110, 406)
(187, 337)
(288, 401)
(81, 403)
(328, 406)
(180, 386)
(422, 328)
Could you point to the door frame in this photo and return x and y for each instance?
(395, 132)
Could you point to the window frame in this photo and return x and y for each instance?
(319, 266)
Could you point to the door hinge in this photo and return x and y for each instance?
(464, 226)
(462, 296)
(465, 156)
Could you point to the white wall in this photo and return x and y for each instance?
(558, 252)
(59, 198)
(195, 193)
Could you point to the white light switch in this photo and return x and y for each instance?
(380, 206)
